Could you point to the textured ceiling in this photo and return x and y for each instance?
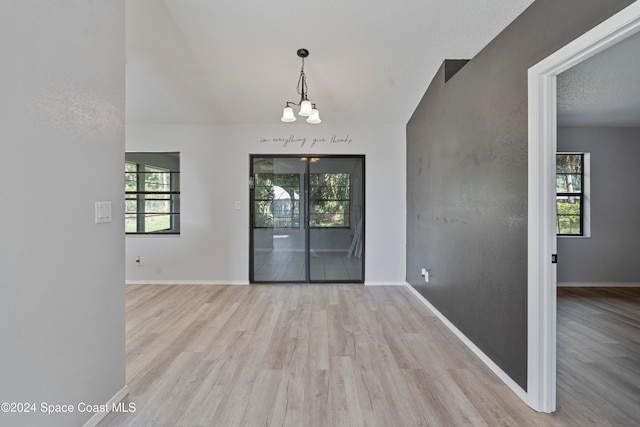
(203, 61)
(604, 90)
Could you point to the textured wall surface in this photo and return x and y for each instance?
(612, 253)
(467, 181)
(61, 274)
(612, 98)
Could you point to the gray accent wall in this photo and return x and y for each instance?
(612, 253)
(467, 181)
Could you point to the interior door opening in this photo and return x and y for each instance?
(542, 241)
(307, 219)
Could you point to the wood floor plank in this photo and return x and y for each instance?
(350, 355)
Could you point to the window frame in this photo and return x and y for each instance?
(347, 213)
(295, 208)
(584, 195)
(142, 195)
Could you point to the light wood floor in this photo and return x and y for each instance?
(599, 355)
(312, 355)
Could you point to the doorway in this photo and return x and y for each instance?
(542, 242)
(307, 219)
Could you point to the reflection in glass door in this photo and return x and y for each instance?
(336, 219)
(307, 219)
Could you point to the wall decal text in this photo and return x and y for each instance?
(304, 141)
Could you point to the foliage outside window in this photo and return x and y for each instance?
(277, 200)
(570, 194)
(329, 200)
(152, 193)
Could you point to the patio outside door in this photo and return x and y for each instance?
(307, 219)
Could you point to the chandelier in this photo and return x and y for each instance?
(307, 108)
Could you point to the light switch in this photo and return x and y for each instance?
(103, 212)
(237, 204)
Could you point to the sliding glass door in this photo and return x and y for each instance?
(307, 219)
(336, 219)
(277, 220)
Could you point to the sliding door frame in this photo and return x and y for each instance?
(304, 221)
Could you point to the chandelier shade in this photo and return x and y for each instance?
(314, 117)
(287, 114)
(306, 107)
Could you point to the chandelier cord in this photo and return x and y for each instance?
(301, 87)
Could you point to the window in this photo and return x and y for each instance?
(329, 200)
(277, 200)
(572, 198)
(152, 193)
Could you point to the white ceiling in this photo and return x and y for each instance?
(604, 90)
(215, 62)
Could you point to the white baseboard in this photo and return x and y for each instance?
(187, 282)
(598, 285)
(234, 282)
(519, 391)
(99, 416)
(383, 283)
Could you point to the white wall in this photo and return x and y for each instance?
(61, 275)
(214, 243)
